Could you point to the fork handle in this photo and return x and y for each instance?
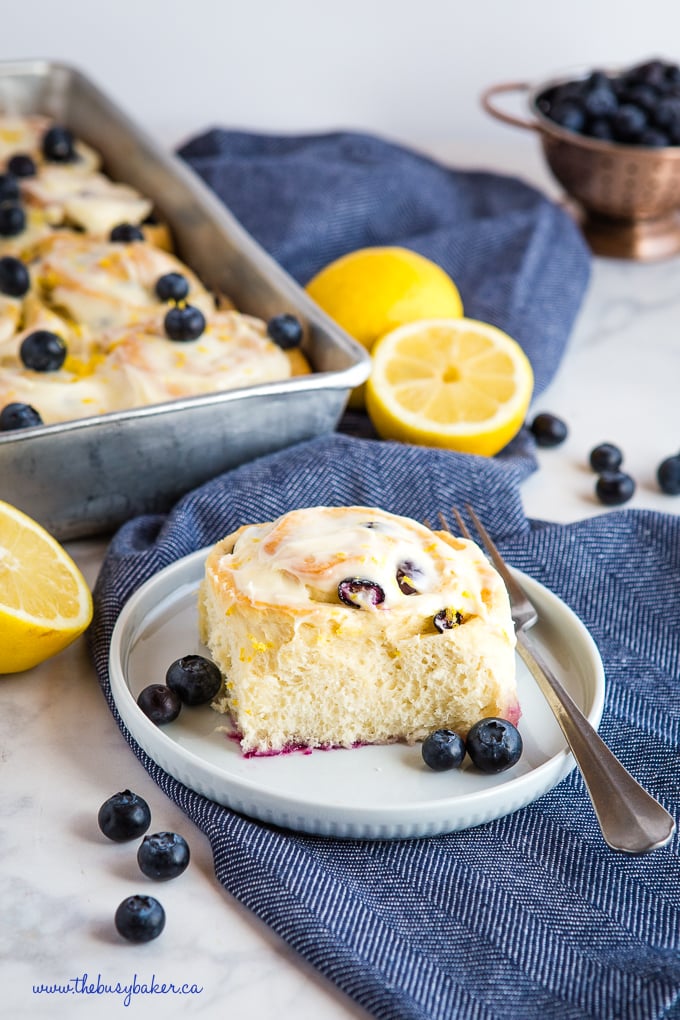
(630, 819)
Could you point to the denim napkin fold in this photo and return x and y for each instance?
(518, 259)
(530, 916)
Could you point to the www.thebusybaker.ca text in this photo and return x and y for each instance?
(83, 985)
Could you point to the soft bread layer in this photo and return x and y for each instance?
(302, 668)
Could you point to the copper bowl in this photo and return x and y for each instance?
(625, 197)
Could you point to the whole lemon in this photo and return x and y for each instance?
(371, 291)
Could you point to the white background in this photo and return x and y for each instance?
(412, 70)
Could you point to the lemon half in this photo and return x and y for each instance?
(45, 603)
(454, 383)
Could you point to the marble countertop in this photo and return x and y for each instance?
(62, 755)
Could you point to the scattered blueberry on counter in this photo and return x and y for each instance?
(163, 856)
(668, 475)
(124, 816)
(548, 430)
(140, 918)
(493, 745)
(605, 457)
(614, 488)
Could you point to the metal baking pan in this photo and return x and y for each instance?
(86, 477)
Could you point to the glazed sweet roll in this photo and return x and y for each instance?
(338, 626)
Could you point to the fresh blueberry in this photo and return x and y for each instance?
(600, 128)
(628, 123)
(15, 279)
(22, 165)
(548, 430)
(446, 619)
(360, 593)
(159, 703)
(285, 331)
(43, 351)
(182, 324)
(124, 816)
(569, 114)
(654, 138)
(58, 145)
(125, 233)
(12, 219)
(172, 287)
(18, 416)
(194, 679)
(140, 918)
(668, 475)
(443, 750)
(605, 457)
(9, 188)
(614, 488)
(163, 856)
(494, 745)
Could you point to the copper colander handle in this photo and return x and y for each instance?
(508, 118)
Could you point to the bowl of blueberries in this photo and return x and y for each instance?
(611, 138)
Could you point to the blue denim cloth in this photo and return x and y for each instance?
(530, 916)
(517, 258)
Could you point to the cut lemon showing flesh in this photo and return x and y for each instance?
(455, 383)
(45, 603)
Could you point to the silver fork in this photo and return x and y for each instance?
(630, 819)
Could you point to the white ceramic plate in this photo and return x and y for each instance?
(377, 792)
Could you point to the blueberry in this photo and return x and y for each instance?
(408, 575)
(600, 128)
(12, 219)
(668, 475)
(548, 430)
(124, 816)
(628, 123)
(125, 233)
(187, 323)
(9, 188)
(605, 457)
(159, 703)
(654, 138)
(445, 619)
(163, 856)
(360, 593)
(18, 416)
(58, 145)
(172, 287)
(443, 750)
(194, 679)
(14, 277)
(614, 487)
(22, 165)
(140, 918)
(600, 101)
(43, 351)
(285, 331)
(494, 745)
(569, 114)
